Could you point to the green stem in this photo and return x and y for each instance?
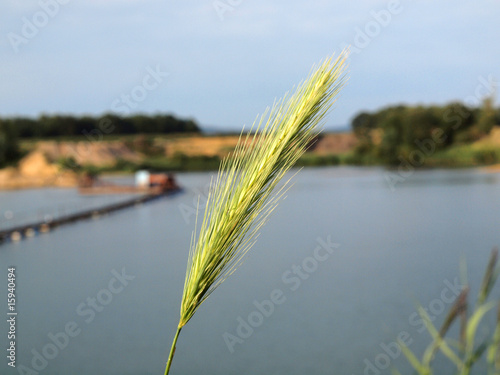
(172, 350)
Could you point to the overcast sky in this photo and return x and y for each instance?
(223, 62)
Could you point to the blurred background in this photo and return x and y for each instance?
(107, 105)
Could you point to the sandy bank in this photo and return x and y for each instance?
(327, 144)
(35, 171)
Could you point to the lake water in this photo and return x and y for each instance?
(108, 290)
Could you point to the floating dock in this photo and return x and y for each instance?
(152, 187)
(30, 230)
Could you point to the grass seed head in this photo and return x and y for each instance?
(246, 189)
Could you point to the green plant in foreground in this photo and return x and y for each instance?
(245, 191)
(464, 353)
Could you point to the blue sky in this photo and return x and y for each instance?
(223, 62)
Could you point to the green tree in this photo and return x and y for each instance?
(394, 133)
(9, 148)
(389, 148)
(487, 115)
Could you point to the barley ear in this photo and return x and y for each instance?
(246, 189)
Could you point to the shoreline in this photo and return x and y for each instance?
(24, 183)
(52, 163)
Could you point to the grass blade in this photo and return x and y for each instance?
(489, 278)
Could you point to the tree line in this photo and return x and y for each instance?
(393, 133)
(93, 128)
(57, 125)
(9, 148)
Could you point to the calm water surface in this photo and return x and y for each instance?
(336, 314)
